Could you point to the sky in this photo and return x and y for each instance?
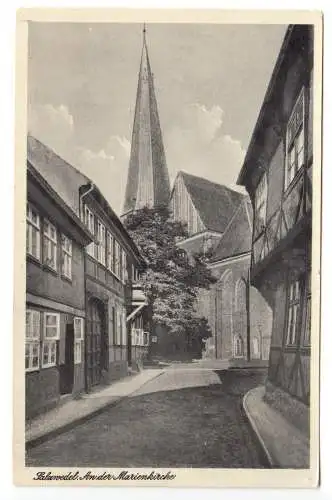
(210, 82)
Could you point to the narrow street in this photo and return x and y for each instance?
(186, 417)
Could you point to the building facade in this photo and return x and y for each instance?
(277, 173)
(102, 305)
(55, 297)
(219, 223)
(117, 320)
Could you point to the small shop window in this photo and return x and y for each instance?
(32, 340)
(78, 339)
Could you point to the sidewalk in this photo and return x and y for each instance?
(285, 446)
(75, 411)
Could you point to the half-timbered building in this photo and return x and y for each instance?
(277, 173)
(55, 295)
(219, 223)
(116, 320)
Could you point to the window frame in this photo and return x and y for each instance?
(293, 304)
(89, 221)
(235, 353)
(50, 242)
(34, 226)
(308, 311)
(261, 195)
(50, 343)
(32, 341)
(66, 254)
(292, 140)
(101, 242)
(80, 320)
(110, 252)
(78, 349)
(57, 326)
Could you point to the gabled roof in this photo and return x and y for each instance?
(215, 203)
(66, 180)
(237, 238)
(63, 177)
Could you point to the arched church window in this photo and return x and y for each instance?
(240, 295)
(238, 346)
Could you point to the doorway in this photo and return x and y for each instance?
(96, 342)
(67, 372)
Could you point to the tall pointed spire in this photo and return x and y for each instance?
(148, 180)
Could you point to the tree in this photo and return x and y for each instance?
(172, 279)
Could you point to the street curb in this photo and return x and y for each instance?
(32, 443)
(256, 431)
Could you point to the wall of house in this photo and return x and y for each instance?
(49, 284)
(43, 386)
(287, 230)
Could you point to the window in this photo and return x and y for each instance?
(77, 352)
(110, 252)
(238, 347)
(117, 259)
(118, 327)
(260, 204)
(295, 141)
(50, 245)
(307, 326)
(78, 339)
(33, 232)
(124, 265)
(124, 327)
(90, 223)
(49, 353)
(101, 243)
(78, 328)
(293, 311)
(66, 256)
(32, 339)
(51, 335)
(51, 326)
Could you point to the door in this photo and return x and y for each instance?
(96, 342)
(67, 372)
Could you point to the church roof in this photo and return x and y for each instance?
(215, 203)
(148, 180)
(236, 239)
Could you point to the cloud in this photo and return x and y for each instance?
(199, 145)
(52, 125)
(108, 168)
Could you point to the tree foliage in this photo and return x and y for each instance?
(172, 279)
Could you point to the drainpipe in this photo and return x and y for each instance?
(83, 195)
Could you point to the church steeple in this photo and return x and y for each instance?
(148, 180)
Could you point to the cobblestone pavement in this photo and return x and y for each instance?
(183, 418)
